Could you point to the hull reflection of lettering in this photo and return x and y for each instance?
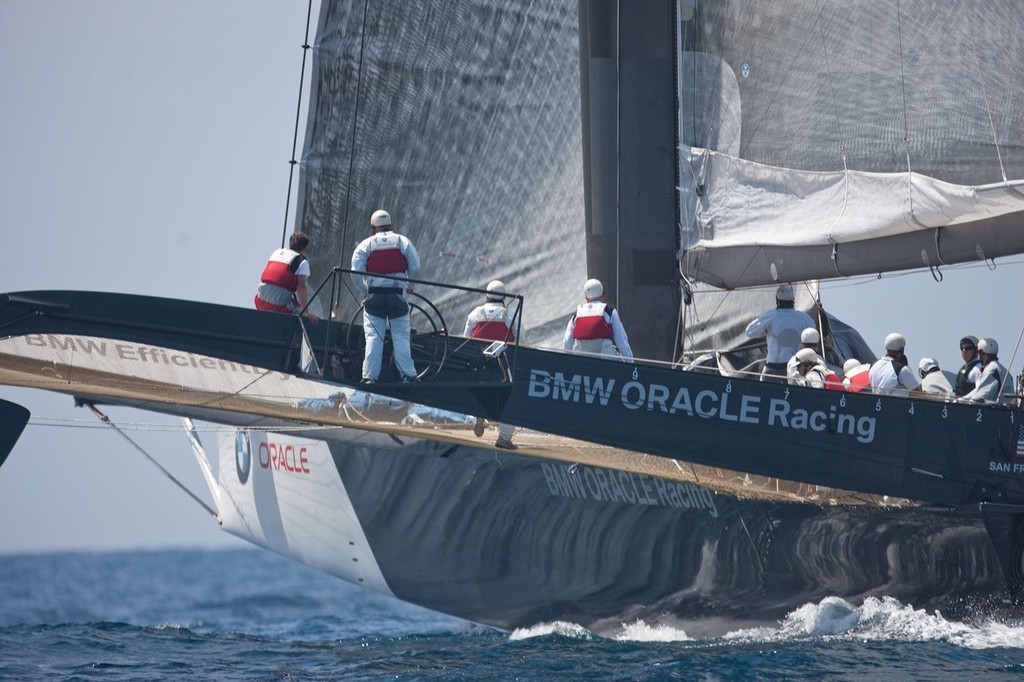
(609, 485)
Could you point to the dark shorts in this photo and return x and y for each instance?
(387, 306)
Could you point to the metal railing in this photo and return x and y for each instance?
(337, 286)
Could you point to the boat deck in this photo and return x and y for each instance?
(186, 384)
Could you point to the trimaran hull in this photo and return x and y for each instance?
(435, 517)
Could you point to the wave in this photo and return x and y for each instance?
(833, 618)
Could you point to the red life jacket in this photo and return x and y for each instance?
(492, 330)
(593, 321)
(385, 256)
(860, 381)
(281, 267)
(833, 382)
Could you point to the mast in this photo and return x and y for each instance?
(627, 87)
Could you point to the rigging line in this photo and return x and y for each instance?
(105, 419)
(842, 140)
(984, 94)
(352, 140)
(906, 120)
(295, 135)
(618, 148)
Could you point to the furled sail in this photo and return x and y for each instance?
(463, 121)
(821, 140)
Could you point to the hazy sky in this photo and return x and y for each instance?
(145, 149)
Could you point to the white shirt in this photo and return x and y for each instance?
(885, 380)
(782, 327)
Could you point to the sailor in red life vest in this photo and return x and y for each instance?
(283, 287)
(385, 252)
(493, 321)
(596, 327)
(856, 377)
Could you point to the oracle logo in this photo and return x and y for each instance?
(281, 457)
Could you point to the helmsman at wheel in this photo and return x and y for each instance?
(596, 327)
(385, 252)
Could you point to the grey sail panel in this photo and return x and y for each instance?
(826, 140)
(462, 120)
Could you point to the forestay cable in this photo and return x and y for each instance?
(106, 420)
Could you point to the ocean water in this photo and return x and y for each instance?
(250, 614)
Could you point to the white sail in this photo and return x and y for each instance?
(823, 153)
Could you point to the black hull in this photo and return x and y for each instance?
(13, 418)
(509, 541)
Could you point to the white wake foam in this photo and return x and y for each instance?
(883, 619)
(560, 628)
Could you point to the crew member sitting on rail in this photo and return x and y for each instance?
(810, 370)
(933, 381)
(283, 287)
(855, 373)
(890, 373)
(995, 384)
(968, 376)
(596, 327)
(809, 338)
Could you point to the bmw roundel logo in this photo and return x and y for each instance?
(243, 455)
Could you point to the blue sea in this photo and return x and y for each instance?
(249, 614)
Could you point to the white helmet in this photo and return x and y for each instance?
(592, 289)
(810, 335)
(785, 293)
(495, 290)
(380, 218)
(895, 341)
(850, 365)
(988, 346)
(806, 355)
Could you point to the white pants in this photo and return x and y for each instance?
(373, 328)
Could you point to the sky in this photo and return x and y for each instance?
(145, 150)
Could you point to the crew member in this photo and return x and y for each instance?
(995, 384)
(493, 321)
(933, 381)
(890, 373)
(283, 284)
(387, 258)
(856, 377)
(809, 338)
(968, 376)
(781, 326)
(810, 370)
(596, 327)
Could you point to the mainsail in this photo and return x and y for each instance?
(822, 140)
(462, 120)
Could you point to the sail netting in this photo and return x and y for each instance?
(462, 120)
(838, 138)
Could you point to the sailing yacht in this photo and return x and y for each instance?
(697, 154)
